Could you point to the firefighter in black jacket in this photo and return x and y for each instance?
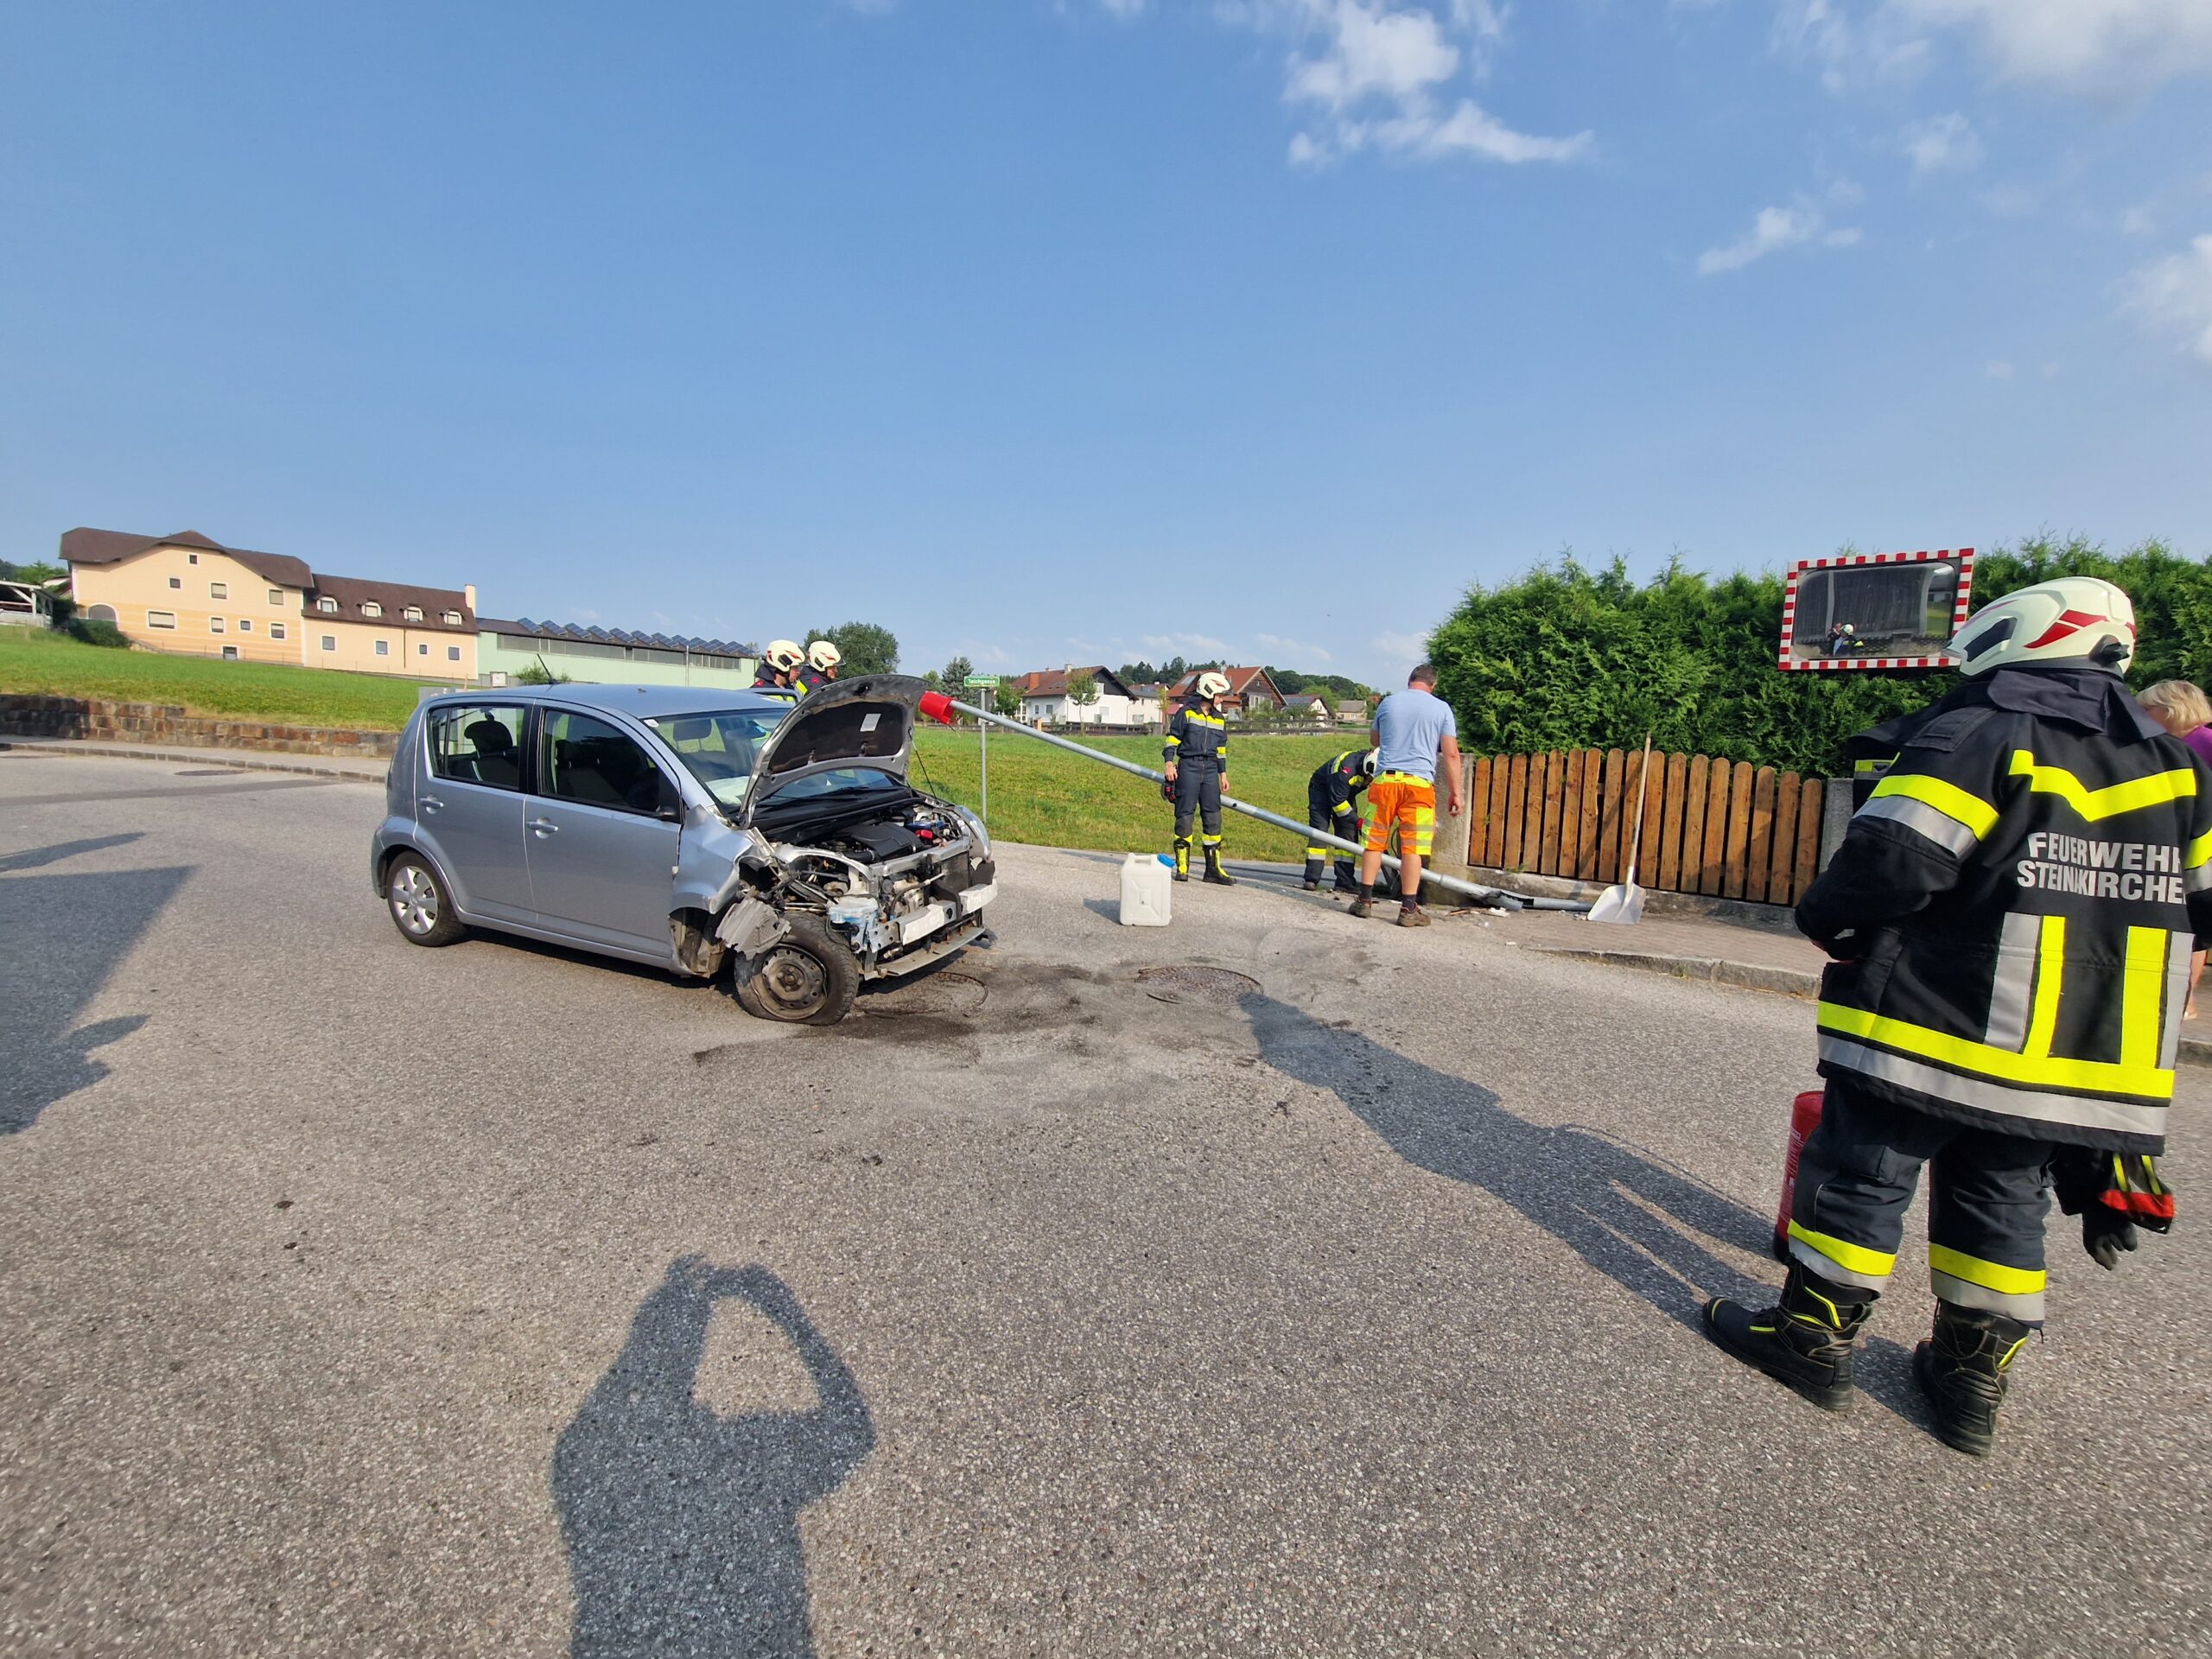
(779, 664)
(2010, 917)
(1330, 807)
(1197, 765)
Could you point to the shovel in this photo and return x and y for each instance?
(1623, 900)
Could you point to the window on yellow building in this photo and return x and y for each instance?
(328, 606)
(330, 642)
(453, 618)
(384, 647)
(276, 595)
(176, 581)
(275, 630)
(218, 590)
(160, 619)
(421, 651)
(413, 613)
(245, 624)
(370, 607)
(214, 625)
(452, 653)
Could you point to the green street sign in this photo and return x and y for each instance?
(980, 680)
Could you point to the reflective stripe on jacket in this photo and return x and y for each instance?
(2018, 896)
(1194, 734)
(1336, 781)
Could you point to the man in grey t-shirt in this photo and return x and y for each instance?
(1415, 730)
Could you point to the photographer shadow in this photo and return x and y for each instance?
(682, 1525)
(1647, 1227)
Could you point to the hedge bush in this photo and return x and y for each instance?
(1570, 657)
(97, 634)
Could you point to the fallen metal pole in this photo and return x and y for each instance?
(1313, 837)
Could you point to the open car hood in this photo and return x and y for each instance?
(865, 721)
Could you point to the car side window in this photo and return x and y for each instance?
(583, 759)
(478, 744)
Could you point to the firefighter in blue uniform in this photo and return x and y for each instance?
(1332, 797)
(2010, 919)
(1196, 752)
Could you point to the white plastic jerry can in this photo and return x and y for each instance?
(1148, 878)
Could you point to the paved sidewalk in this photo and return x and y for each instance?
(1690, 947)
(366, 770)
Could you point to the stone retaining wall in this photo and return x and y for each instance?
(153, 722)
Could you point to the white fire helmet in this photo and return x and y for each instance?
(1213, 683)
(823, 655)
(784, 655)
(2074, 621)
(1371, 762)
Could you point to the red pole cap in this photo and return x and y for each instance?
(937, 707)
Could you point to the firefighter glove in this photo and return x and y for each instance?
(2115, 1193)
(2107, 1236)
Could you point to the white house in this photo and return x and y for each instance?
(1044, 697)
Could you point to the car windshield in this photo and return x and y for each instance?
(719, 749)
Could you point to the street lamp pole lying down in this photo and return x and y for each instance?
(937, 707)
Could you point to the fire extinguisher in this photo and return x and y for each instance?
(1804, 1118)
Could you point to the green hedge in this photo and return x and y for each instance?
(1569, 657)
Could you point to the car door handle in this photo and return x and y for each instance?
(432, 804)
(542, 827)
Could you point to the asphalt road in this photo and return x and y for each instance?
(359, 1298)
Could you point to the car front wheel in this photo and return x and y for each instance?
(418, 903)
(806, 978)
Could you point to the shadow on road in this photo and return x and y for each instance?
(1637, 1222)
(683, 1526)
(63, 936)
(38, 857)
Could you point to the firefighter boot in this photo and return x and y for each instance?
(1961, 1370)
(1215, 873)
(1182, 858)
(1804, 1341)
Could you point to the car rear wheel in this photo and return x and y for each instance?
(417, 900)
(806, 978)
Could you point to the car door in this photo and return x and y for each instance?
(470, 805)
(601, 833)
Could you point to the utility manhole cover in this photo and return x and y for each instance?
(938, 992)
(1178, 983)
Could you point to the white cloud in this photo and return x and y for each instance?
(2139, 221)
(1293, 653)
(2098, 46)
(1999, 370)
(1122, 10)
(2171, 298)
(1773, 230)
(1406, 648)
(1183, 644)
(1378, 75)
(1943, 143)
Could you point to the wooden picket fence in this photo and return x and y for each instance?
(1724, 828)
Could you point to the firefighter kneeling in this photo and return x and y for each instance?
(2011, 917)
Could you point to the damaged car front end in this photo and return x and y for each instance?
(828, 869)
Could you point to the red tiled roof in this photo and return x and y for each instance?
(1054, 682)
(1241, 684)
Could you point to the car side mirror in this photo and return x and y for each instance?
(671, 807)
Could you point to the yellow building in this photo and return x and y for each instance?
(188, 594)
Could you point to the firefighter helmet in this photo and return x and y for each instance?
(2070, 621)
(823, 655)
(1371, 762)
(784, 655)
(1212, 684)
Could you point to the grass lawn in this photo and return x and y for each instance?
(1049, 797)
(39, 663)
(1038, 793)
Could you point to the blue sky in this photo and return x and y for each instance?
(1052, 330)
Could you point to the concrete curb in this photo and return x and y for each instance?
(314, 765)
(1750, 976)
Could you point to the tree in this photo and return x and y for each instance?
(1082, 688)
(865, 647)
(1138, 673)
(1006, 698)
(956, 675)
(1569, 656)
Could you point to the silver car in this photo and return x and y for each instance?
(690, 829)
